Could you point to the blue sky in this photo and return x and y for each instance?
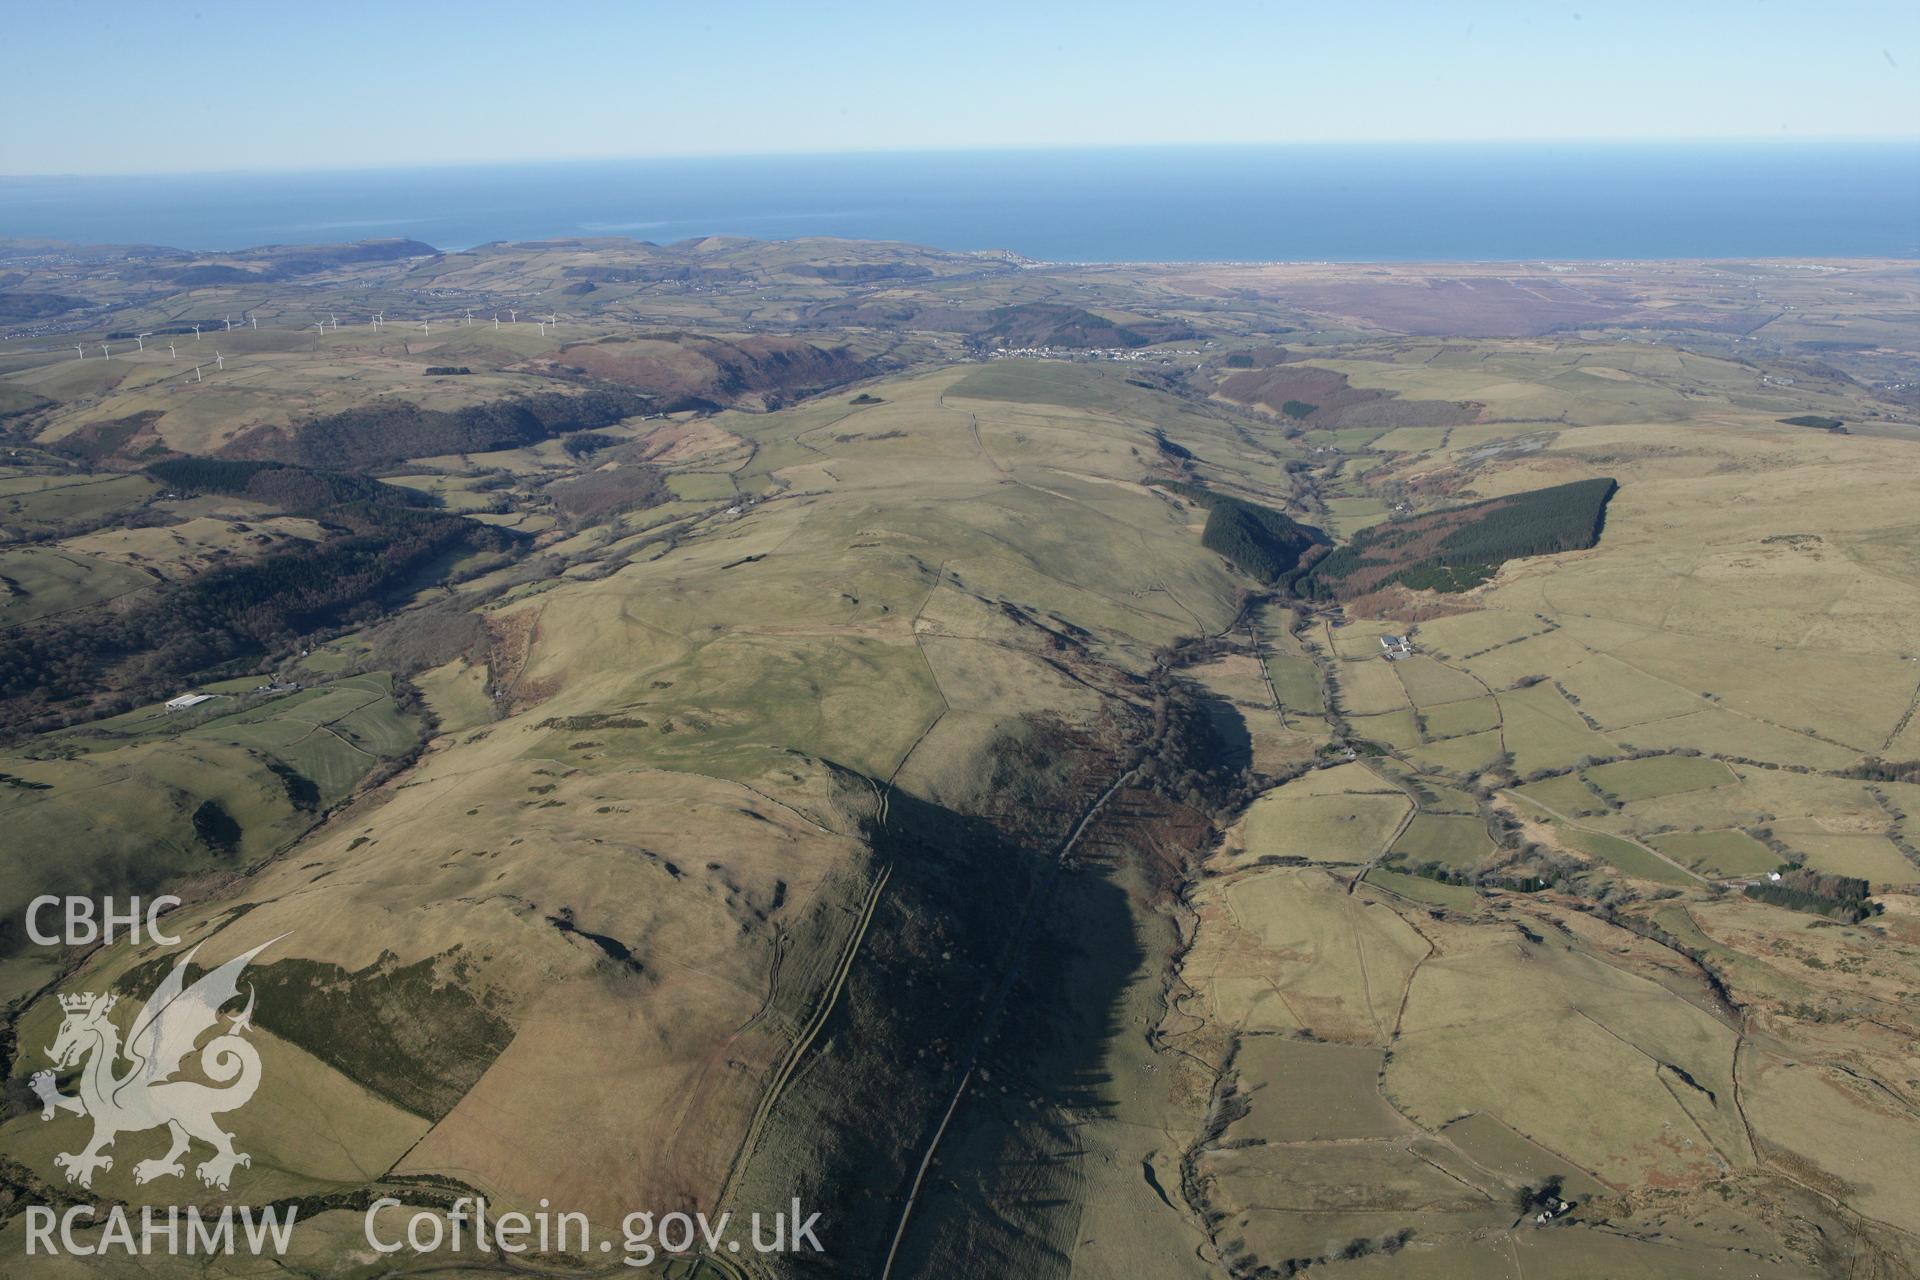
(117, 87)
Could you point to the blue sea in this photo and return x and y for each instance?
(1374, 202)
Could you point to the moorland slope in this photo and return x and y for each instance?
(1100, 815)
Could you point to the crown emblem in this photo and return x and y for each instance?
(166, 1034)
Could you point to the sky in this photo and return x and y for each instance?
(122, 87)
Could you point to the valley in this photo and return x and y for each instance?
(1221, 770)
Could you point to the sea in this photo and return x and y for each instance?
(1320, 202)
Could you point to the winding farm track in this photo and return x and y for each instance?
(1259, 646)
(983, 1032)
(1648, 849)
(770, 1096)
(830, 997)
(1385, 850)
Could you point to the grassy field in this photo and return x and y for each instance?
(1297, 681)
(1868, 855)
(36, 583)
(1489, 1117)
(1420, 889)
(316, 1133)
(1463, 757)
(151, 798)
(1582, 1015)
(1368, 686)
(1459, 719)
(1693, 632)
(1394, 728)
(1313, 1091)
(1718, 853)
(40, 505)
(732, 817)
(1340, 815)
(1566, 793)
(682, 751)
(1543, 731)
(701, 486)
(1458, 842)
(1289, 950)
(1631, 780)
(1624, 856)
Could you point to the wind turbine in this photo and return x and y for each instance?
(196, 333)
(219, 361)
(106, 353)
(82, 350)
(543, 327)
(139, 339)
(496, 319)
(196, 374)
(553, 319)
(513, 316)
(229, 320)
(321, 325)
(334, 318)
(469, 319)
(426, 327)
(254, 321)
(171, 353)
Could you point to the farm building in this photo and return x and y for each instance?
(187, 700)
(1396, 646)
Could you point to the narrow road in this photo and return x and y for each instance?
(1689, 872)
(1386, 849)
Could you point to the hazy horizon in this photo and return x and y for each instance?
(1345, 202)
(1757, 141)
(250, 89)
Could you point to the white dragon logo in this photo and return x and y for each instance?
(146, 1096)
